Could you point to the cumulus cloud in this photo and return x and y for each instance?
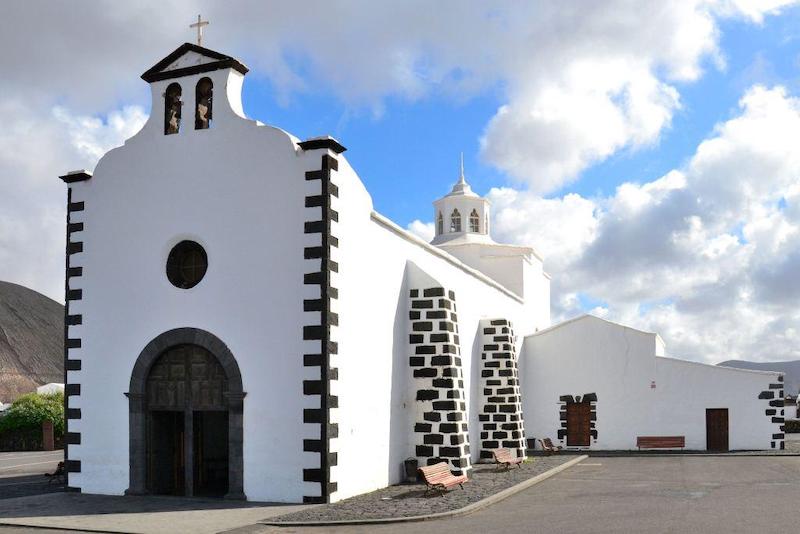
(707, 254)
(36, 146)
(579, 80)
(422, 229)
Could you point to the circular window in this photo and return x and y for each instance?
(186, 264)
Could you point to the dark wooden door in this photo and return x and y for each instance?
(165, 473)
(186, 395)
(578, 426)
(210, 453)
(717, 429)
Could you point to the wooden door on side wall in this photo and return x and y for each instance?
(717, 429)
(578, 424)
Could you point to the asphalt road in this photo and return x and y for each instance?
(22, 473)
(677, 494)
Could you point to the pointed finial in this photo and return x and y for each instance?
(461, 178)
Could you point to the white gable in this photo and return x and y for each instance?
(189, 59)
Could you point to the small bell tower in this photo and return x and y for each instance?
(193, 89)
(461, 215)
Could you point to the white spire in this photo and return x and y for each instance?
(462, 187)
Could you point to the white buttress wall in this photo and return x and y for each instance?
(618, 364)
(376, 398)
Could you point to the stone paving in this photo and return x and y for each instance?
(135, 514)
(406, 500)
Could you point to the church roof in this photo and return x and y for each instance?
(204, 60)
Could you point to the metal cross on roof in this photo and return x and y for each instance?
(199, 25)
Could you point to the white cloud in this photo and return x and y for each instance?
(579, 80)
(35, 148)
(91, 137)
(422, 229)
(707, 255)
(559, 228)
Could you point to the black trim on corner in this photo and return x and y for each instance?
(323, 142)
(71, 390)
(327, 318)
(73, 466)
(78, 176)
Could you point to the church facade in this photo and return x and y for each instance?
(241, 323)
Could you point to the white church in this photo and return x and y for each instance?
(242, 323)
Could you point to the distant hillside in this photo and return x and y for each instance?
(31, 341)
(791, 369)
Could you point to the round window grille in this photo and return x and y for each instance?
(187, 264)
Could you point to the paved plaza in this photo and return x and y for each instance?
(620, 494)
(677, 494)
(22, 473)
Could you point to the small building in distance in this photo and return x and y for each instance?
(48, 389)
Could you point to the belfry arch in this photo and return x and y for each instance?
(180, 377)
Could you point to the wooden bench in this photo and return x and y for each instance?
(504, 457)
(660, 442)
(439, 477)
(548, 447)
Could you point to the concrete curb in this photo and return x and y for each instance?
(470, 508)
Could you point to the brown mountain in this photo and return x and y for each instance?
(31, 341)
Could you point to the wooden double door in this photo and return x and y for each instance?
(203, 449)
(717, 429)
(187, 425)
(579, 426)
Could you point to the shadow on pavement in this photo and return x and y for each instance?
(26, 485)
(59, 503)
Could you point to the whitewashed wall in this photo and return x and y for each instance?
(590, 355)
(375, 413)
(238, 190)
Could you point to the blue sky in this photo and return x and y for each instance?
(408, 153)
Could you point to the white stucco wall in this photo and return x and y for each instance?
(238, 190)
(590, 355)
(376, 401)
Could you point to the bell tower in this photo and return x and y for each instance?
(194, 88)
(461, 216)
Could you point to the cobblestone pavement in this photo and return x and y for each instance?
(406, 500)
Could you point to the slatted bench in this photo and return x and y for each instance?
(504, 457)
(548, 447)
(660, 442)
(438, 477)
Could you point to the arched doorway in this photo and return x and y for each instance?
(186, 403)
